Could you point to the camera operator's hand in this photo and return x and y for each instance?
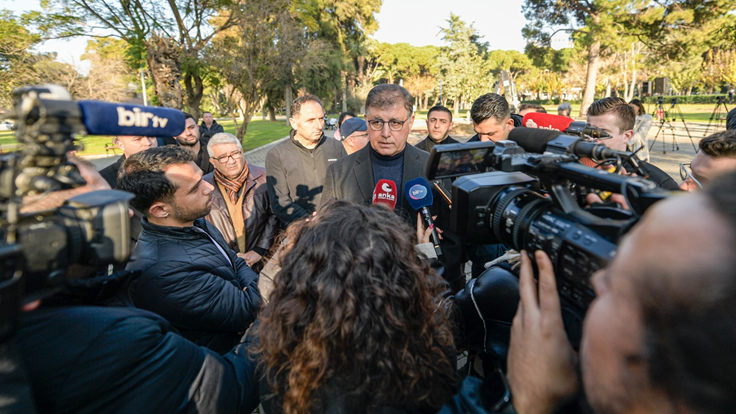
(541, 369)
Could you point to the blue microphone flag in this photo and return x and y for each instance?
(105, 118)
(419, 193)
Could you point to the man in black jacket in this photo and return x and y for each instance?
(439, 125)
(129, 145)
(492, 118)
(190, 140)
(209, 127)
(296, 167)
(189, 274)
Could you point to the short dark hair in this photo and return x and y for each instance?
(625, 116)
(490, 105)
(187, 115)
(296, 105)
(720, 144)
(639, 105)
(206, 112)
(689, 335)
(386, 95)
(439, 108)
(342, 116)
(144, 174)
(536, 107)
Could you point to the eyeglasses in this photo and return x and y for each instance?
(235, 155)
(394, 125)
(685, 174)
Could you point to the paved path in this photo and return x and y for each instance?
(662, 154)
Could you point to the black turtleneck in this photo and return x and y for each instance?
(388, 168)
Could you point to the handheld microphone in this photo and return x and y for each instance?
(419, 195)
(105, 118)
(385, 193)
(562, 123)
(540, 141)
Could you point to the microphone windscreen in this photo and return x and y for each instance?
(419, 193)
(533, 140)
(385, 193)
(546, 121)
(105, 118)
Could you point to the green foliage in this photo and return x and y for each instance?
(16, 59)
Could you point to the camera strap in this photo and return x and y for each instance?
(480, 315)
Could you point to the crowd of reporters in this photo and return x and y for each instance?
(360, 314)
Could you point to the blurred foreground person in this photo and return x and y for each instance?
(659, 337)
(717, 155)
(355, 323)
(83, 358)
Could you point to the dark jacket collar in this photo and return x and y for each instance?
(292, 135)
(181, 233)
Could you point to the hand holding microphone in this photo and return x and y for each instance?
(419, 194)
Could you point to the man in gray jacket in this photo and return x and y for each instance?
(296, 167)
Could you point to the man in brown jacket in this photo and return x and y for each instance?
(241, 209)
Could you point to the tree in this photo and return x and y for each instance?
(244, 55)
(668, 26)
(169, 35)
(16, 59)
(463, 70)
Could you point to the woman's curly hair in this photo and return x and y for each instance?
(354, 305)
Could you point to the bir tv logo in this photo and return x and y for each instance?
(417, 192)
(139, 119)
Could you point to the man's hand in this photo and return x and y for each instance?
(541, 370)
(250, 257)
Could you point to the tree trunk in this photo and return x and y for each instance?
(271, 114)
(194, 93)
(608, 87)
(215, 98)
(344, 77)
(456, 107)
(589, 94)
(162, 56)
(288, 99)
(426, 101)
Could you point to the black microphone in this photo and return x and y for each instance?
(540, 141)
(419, 195)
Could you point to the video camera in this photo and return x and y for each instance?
(90, 229)
(532, 201)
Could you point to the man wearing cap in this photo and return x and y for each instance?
(354, 133)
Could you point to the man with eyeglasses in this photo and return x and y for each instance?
(389, 115)
(616, 117)
(717, 155)
(240, 205)
(296, 167)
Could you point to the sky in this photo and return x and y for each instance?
(416, 22)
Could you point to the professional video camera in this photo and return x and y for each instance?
(90, 229)
(532, 201)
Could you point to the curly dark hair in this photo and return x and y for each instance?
(354, 305)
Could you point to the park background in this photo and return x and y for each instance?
(245, 60)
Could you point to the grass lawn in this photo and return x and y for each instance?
(259, 133)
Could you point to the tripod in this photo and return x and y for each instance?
(717, 115)
(663, 117)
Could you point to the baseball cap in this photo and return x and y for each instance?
(352, 125)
